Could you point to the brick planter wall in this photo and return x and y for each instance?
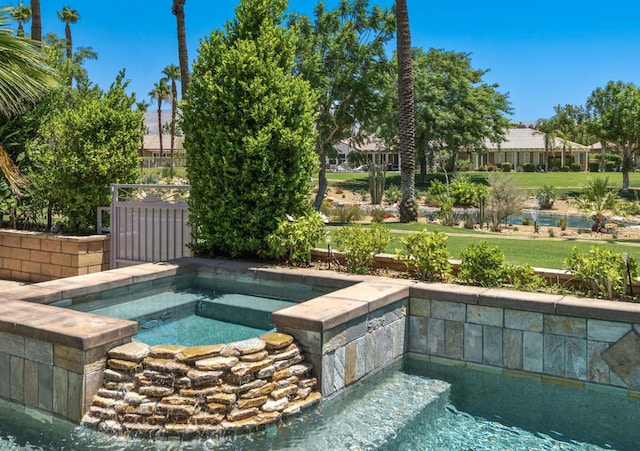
(38, 257)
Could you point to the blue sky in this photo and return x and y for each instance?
(542, 53)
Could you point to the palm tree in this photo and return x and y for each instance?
(406, 110)
(21, 14)
(183, 57)
(24, 77)
(36, 21)
(159, 93)
(68, 16)
(172, 74)
(597, 197)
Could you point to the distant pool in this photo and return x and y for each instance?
(547, 220)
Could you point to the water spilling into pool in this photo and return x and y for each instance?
(400, 411)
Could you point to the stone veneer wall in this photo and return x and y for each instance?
(350, 333)
(170, 390)
(52, 359)
(37, 257)
(572, 340)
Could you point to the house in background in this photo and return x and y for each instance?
(526, 145)
(372, 147)
(150, 150)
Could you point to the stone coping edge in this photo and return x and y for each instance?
(353, 296)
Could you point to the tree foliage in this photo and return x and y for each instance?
(83, 149)
(455, 110)
(249, 132)
(341, 53)
(614, 112)
(24, 76)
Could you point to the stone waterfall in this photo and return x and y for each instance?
(169, 390)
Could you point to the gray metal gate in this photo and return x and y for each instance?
(148, 223)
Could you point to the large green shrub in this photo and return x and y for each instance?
(426, 255)
(84, 148)
(529, 167)
(249, 132)
(481, 264)
(594, 166)
(295, 237)
(600, 272)
(360, 245)
(505, 166)
(485, 266)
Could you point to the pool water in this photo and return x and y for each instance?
(188, 316)
(544, 220)
(400, 410)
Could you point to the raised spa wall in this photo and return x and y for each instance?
(54, 359)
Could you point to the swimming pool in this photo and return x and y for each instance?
(192, 310)
(401, 410)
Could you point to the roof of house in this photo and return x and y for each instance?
(528, 139)
(368, 145)
(152, 142)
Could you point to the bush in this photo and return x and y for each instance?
(249, 124)
(360, 245)
(546, 196)
(463, 165)
(293, 240)
(522, 277)
(594, 166)
(506, 166)
(562, 223)
(529, 167)
(600, 271)
(377, 215)
(575, 167)
(481, 264)
(465, 193)
(610, 166)
(426, 255)
(393, 194)
(347, 213)
(564, 169)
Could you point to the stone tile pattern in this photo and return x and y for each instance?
(356, 349)
(202, 390)
(53, 378)
(38, 257)
(549, 344)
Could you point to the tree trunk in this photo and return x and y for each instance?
(183, 56)
(67, 34)
(36, 21)
(408, 207)
(174, 100)
(160, 126)
(322, 177)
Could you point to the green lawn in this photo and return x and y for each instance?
(564, 182)
(541, 252)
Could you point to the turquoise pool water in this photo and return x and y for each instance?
(193, 311)
(400, 410)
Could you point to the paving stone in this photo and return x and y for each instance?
(134, 351)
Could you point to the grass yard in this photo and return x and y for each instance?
(541, 252)
(564, 182)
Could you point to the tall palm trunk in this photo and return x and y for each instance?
(160, 126)
(406, 109)
(36, 21)
(174, 108)
(183, 55)
(67, 35)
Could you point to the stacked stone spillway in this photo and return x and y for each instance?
(169, 390)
